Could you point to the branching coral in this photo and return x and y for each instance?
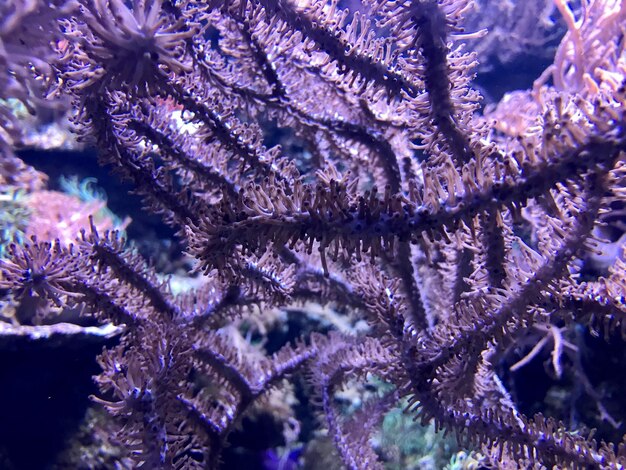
(452, 234)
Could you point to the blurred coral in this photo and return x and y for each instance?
(54, 215)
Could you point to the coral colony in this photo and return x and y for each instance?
(450, 230)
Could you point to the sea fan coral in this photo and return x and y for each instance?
(453, 235)
(114, 46)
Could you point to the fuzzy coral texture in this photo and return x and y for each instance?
(451, 230)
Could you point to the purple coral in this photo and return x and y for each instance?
(449, 233)
(115, 45)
